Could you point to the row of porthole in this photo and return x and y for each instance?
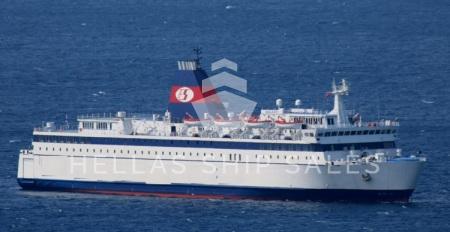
(231, 157)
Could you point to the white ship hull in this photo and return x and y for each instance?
(234, 175)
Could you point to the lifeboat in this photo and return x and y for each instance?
(223, 122)
(256, 122)
(191, 121)
(282, 123)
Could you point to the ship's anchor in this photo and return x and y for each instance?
(366, 177)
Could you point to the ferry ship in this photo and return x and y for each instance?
(276, 154)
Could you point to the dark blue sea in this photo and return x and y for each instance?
(75, 57)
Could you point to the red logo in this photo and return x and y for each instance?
(184, 94)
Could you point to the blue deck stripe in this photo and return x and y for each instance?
(210, 144)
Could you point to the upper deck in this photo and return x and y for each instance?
(294, 125)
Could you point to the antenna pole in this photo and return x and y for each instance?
(198, 52)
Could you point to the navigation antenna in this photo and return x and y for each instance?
(66, 122)
(198, 52)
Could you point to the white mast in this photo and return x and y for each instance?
(338, 109)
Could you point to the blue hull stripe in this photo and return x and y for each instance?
(205, 191)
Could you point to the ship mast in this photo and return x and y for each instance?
(198, 52)
(338, 109)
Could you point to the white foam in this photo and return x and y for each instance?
(427, 101)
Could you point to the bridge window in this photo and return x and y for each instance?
(102, 126)
(88, 125)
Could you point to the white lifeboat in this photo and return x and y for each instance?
(283, 123)
(191, 121)
(223, 122)
(256, 122)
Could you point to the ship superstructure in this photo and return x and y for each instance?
(284, 153)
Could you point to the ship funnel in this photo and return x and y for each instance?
(186, 89)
